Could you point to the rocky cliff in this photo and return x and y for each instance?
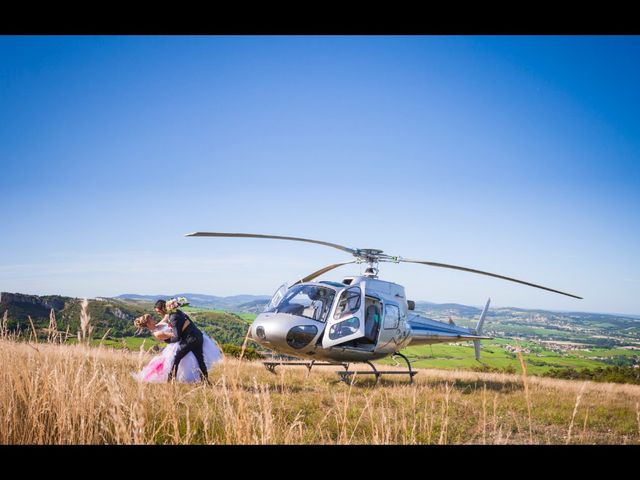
(48, 302)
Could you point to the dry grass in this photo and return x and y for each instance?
(86, 329)
(74, 394)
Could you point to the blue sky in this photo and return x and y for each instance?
(515, 155)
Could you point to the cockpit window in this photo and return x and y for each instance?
(309, 301)
(277, 297)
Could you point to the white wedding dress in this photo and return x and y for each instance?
(158, 368)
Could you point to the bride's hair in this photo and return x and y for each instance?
(141, 322)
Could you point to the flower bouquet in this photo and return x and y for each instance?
(175, 303)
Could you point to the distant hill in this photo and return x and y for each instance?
(453, 309)
(232, 303)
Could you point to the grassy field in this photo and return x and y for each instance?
(249, 317)
(494, 355)
(130, 343)
(74, 394)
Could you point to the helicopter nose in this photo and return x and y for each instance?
(265, 329)
(283, 331)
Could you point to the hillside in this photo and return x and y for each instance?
(106, 313)
(80, 395)
(225, 327)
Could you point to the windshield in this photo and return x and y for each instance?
(309, 301)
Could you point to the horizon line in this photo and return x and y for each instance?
(629, 315)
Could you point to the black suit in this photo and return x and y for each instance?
(191, 340)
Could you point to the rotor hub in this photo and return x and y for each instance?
(370, 251)
(368, 255)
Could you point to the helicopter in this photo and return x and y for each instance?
(357, 320)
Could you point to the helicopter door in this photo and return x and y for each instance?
(347, 321)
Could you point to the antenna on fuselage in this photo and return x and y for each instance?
(371, 272)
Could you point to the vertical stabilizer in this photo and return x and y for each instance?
(478, 331)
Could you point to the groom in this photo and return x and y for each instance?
(189, 337)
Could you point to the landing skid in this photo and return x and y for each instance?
(271, 366)
(378, 373)
(344, 376)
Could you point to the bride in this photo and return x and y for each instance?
(158, 368)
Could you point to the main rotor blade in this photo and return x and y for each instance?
(464, 269)
(278, 237)
(317, 273)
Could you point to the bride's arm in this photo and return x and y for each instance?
(162, 332)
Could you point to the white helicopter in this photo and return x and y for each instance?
(359, 319)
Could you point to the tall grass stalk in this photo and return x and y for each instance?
(244, 344)
(575, 410)
(444, 419)
(52, 329)
(484, 414)
(4, 325)
(526, 393)
(33, 330)
(584, 424)
(86, 329)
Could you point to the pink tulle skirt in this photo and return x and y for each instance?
(158, 368)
